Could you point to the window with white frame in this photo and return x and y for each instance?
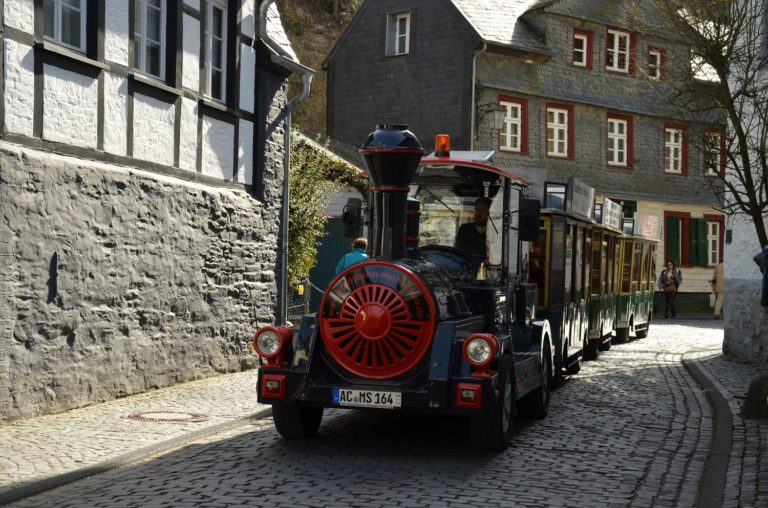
(580, 42)
(149, 37)
(617, 51)
(65, 22)
(713, 243)
(398, 33)
(673, 150)
(510, 137)
(654, 64)
(557, 132)
(617, 142)
(712, 152)
(216, 49)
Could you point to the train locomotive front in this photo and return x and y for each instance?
(422, 325)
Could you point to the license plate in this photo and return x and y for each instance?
(366, 398)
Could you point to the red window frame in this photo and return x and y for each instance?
(590, 36)
(523, 124)
(721, 133)
(684, 155)
(630, 143)
(570, 136)
(662, 60)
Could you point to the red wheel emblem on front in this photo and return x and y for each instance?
(377, 320)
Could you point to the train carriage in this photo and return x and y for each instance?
(603, 276)
(561, 260)
(429, 323)
(637, 252)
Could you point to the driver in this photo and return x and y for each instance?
(471, 236)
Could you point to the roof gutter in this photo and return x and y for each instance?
(282, 58)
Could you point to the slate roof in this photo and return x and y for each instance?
(499, 21)
(277, 33)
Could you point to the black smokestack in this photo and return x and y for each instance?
(391, 154)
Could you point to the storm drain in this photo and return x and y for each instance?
(168, 417)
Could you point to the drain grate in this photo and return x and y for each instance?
(168, 417)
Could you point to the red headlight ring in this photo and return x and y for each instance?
(481, 369)
(283, 333)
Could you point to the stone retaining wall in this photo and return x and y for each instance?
(115, 281)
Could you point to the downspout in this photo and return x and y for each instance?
(282, 58)
(472, 99)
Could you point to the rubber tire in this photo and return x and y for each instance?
(536, 403)
(575, 367)
(296, 422)
(494, 431)
(641, 334)
(605, 345)
(622, 335)
(592, 350)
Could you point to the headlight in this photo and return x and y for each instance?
(480, 348)
(269, 341)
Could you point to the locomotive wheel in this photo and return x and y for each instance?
(294, 422)
(622, 335)
(536, 403)
(494, 431)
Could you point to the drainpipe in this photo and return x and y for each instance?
(472, 99)
(282, 58)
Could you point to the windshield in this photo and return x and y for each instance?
(461, 208)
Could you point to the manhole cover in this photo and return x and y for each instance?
(168, 417)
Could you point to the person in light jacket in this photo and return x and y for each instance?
(669, 281)
(718, 287)
(356, 255)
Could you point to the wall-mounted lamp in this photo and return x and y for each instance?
(491, 111)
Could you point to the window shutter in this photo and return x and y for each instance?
(699, 242)
(672, 238)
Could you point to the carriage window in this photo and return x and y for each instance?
(637, 258)
(578, 262)
(597, 272)
(538, 265)
(616, 264)
(568, 286)
(556, 277)
(587, 262)
(626, 268)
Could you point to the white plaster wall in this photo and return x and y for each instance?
(153, 122)
(245, 153)
(247, 77)
(19, 98)
(249, 16)
(193, 3)
(188, 135)
(218, 148)
(116, 38)
(115, 114)
(69, 107)
(190, 64)
(20, 14)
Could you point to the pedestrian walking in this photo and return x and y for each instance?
(718, 288)
(356, 255)
(669, 282)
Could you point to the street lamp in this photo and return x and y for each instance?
(491, 111)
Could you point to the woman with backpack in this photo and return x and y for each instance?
(669, 281)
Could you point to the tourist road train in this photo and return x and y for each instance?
(484, 331)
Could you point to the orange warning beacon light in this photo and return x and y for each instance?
(442, 145)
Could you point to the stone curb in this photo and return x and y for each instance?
(713, 481)
(37, 487)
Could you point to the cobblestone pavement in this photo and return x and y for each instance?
(632, 429)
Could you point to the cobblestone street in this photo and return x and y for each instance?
(634, 428)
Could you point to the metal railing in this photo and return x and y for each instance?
(299, 298)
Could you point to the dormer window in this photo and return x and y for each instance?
(582, 48)
(398, 33)
(656, 59)
(617, 51)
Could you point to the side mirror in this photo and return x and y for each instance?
(530, 210)
(351, 216)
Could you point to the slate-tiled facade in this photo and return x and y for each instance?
(523, 49)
